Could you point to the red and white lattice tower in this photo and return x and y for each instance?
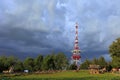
(76, 51)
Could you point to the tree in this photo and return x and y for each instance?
(102, 62)
(108, 67)
(55, 62)
(95, 61)
(48, 62)
(11, 61)
(7, 62)
(85, 64)
(29, 64)
(114, 50)
(18, 67)
(61, 61)
(2, 63)
(38, 62)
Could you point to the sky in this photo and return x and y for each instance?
(32, 27)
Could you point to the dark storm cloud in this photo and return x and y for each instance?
(30, 27)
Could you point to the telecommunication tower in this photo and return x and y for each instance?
(76, 51)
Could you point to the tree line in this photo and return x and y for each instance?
(49, 62)
(97, 61)
(59, 61)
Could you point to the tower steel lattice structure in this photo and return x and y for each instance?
(76, 51)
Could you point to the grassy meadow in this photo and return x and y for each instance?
(65, 75)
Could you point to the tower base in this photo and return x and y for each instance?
(77, 63)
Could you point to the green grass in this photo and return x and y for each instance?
(66, 75)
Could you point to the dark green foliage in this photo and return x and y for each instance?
(2, 63)
(102, 62)
(29, 64)
(18, 67)
(7, 62)
(73, 67)
(55, 62)
(61, 61)
(85, 64)
(38, 63)
(48, 62)
(108, 68)
(95, 61)
(114, 50)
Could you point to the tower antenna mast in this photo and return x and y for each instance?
(76, 51)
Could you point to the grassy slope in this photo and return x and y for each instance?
(69, 75)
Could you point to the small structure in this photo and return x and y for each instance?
(94, 69)
(11, 70)
(26, 71)
(115, 70)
